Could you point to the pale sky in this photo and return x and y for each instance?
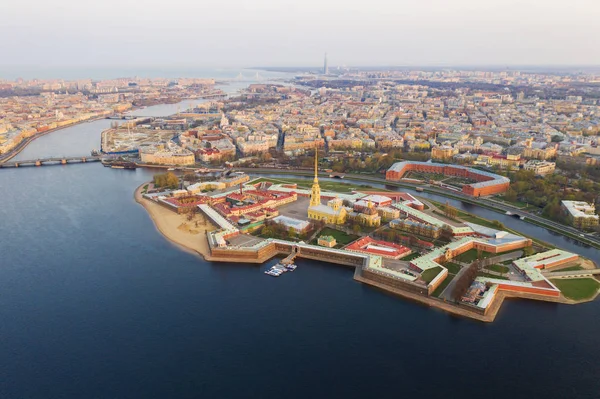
(243, 33)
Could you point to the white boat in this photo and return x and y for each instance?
(291, 267)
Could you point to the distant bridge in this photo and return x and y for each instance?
(49, 161)
(126, 117)
(514, 214)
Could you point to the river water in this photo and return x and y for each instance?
(95, 303)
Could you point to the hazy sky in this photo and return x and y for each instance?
(228, 33)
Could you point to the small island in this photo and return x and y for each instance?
(416, 248)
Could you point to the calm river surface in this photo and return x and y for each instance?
(95, 303)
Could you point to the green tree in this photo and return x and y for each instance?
(510, 195)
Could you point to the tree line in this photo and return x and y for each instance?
(166, 180)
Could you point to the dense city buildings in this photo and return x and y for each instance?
(55, 104)
(472, 132)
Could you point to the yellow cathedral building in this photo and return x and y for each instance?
(332, 213)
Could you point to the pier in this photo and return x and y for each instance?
(49, 161)
(290, 258)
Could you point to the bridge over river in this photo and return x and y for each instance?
(49, 161)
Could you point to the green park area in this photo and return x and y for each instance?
(472, 255)
(429, 274)
(341, 237)
(517, 203)
(340, 187)
(452, 267)
(577, 289)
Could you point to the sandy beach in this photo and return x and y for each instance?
(191, 235)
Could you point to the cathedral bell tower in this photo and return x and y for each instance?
(315, 194)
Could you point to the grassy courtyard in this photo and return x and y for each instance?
(472, 255)
(341, 237)
(452, 267)
(577, 288)
(429, 274)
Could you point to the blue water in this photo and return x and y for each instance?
(95, 303)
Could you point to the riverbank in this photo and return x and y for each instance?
(190, 234)
(187, 234)
(23, 144)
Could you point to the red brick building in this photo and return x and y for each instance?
(486, 183)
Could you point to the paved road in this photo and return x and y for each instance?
(447, 293)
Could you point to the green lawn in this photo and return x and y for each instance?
(484, 274)
(412, 256)
(517, 203)
(335, 186)
(577, 288)
(452, 267)
(498, 268)
(571, 269)
(438, 291)
(482, 222)
(429, 274)
(471, 255)
(341, 237)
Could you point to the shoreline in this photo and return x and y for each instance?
(175, 229)
(23, 144)
(168, 224)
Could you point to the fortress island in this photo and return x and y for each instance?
(418, 249)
